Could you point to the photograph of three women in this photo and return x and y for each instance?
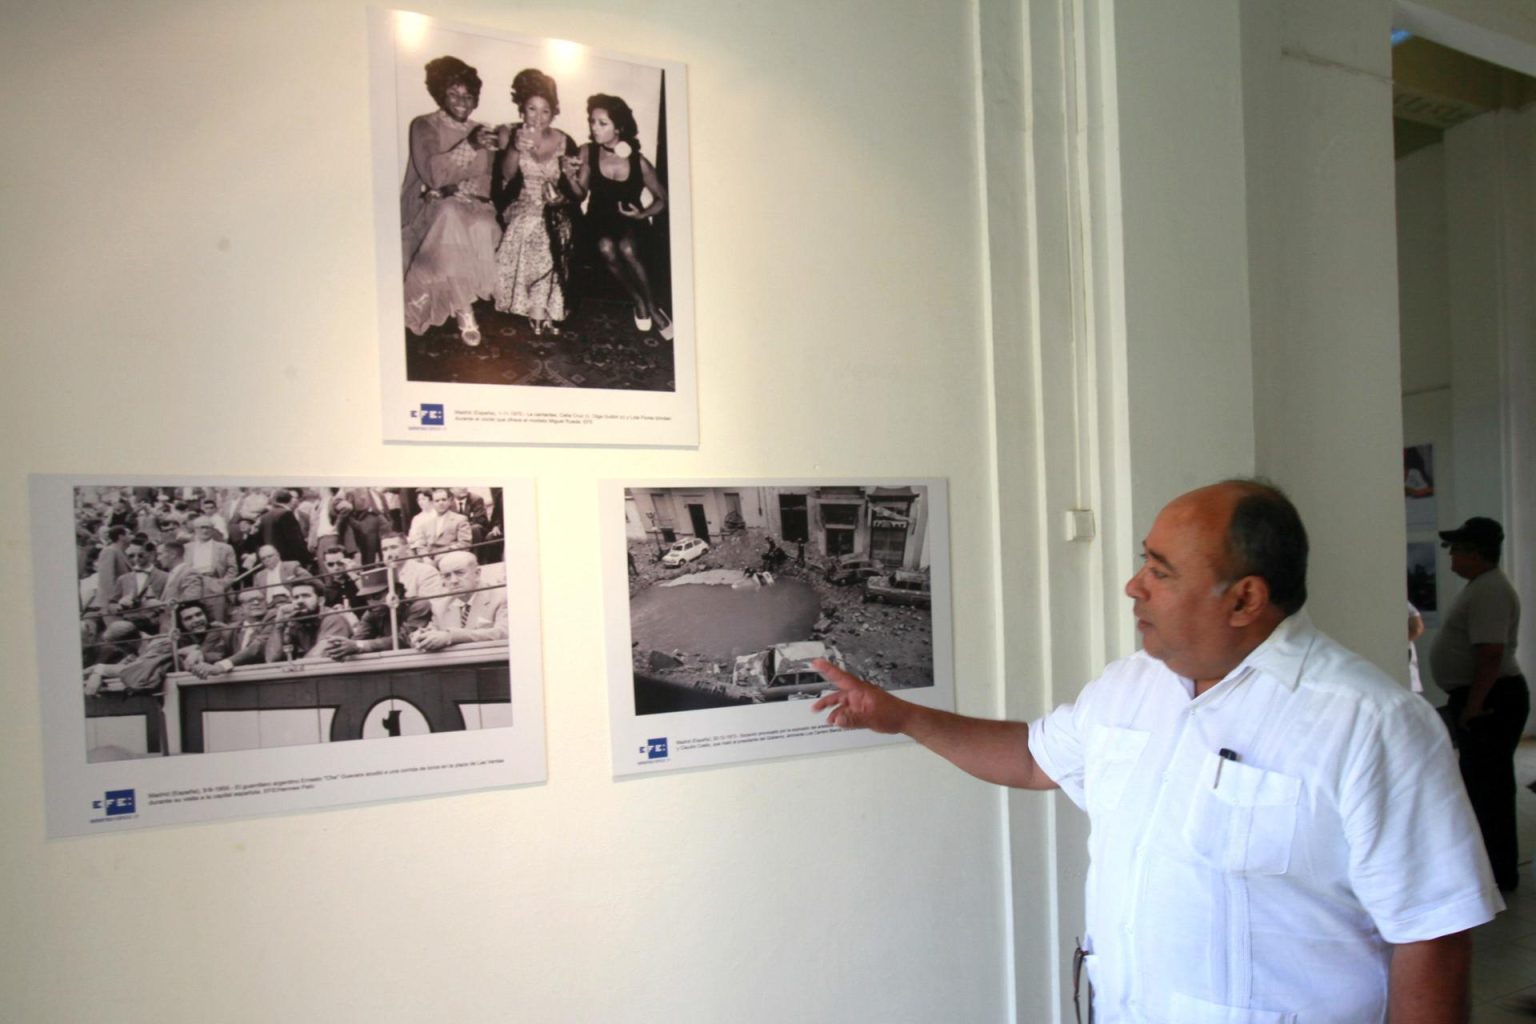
(536, 244)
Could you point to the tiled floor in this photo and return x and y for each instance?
(1504, 952)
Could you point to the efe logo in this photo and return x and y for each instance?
(115, 801)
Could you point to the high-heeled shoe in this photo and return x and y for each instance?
(469, 331)
(642, 323)
(538, 327)
(667, 328)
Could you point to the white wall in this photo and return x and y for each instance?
(1424, 316)
(1475, 215)
(186, 284)
(1327, 408)
(1188, 342)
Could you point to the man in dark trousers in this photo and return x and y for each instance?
(1473, 659)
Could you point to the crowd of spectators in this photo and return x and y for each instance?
(209, 579)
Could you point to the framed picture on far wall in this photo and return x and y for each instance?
(532, 210)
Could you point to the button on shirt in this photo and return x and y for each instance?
(1265, 888)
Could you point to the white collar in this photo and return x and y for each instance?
(1284, 651)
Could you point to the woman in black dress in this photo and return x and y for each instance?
(615, 174)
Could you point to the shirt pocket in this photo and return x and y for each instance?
(1189, 1010)
(1242, 819)
(1110, 762)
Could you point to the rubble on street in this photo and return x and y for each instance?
(890, 645)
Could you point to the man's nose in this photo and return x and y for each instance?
(1133, 587)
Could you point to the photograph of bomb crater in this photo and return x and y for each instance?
(735, 590)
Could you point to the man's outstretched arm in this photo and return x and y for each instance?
(995, 751)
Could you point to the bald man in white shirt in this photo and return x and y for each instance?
(1263, 802)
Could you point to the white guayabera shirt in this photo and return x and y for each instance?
(1265, 886)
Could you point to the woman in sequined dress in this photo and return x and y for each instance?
(538, 207)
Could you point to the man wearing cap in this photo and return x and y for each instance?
(1263, 802)
(1473, 658)
(372, 632)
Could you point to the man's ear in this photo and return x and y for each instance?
(1249, 598)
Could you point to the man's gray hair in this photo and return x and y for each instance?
(1266, 539)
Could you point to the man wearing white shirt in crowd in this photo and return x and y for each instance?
(170, 556)
(418, 575)
(212, 559)
(206, 554)
(210, 511)
(1278, 831)
(441, 529)
(272, 572)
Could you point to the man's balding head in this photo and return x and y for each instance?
(1222, 567)
(460, 571)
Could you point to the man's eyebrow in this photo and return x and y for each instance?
(1158, 558)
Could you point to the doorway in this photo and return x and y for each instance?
(700, 522)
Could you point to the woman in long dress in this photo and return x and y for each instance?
(616, 175)
(532, 189)
(448, 228)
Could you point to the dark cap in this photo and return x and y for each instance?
(1479, 531)
(373, 581)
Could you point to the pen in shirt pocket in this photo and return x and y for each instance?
(1225, 755)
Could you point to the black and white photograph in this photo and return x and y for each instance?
(221, 625)
(541, 291)
(731, 590)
